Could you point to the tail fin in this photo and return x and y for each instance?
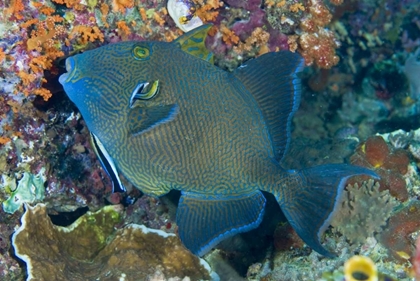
(311, 203)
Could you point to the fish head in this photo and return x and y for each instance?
(105, 83)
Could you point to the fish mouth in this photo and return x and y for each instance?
(65, 77)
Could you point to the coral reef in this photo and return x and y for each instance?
(92, 248)
(412, 71)
(416, 260)
(396, 237)
(363, 212)
(30, 189)
(391, 165)
(371, 50)
(360, 266)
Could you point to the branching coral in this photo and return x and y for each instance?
(121, 5)
(85, 34)
(257, 42)
(208, 10)
(92, 249)
(15, 9)
(228, 36)
(43, 37)
(363, 211)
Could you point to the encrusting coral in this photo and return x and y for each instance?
(30, 189)
(93, 249)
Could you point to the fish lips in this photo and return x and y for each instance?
(65, 77)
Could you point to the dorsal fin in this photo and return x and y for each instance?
(272, 80)
(193, 43)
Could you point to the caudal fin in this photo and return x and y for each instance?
(311, 203)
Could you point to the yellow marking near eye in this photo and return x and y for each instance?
(141, 53)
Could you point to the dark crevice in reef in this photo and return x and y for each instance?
(67, 218)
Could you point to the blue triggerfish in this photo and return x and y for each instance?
(166, 117)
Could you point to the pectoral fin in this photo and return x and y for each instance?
(143, 119)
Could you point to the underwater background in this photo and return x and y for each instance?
(360, 104)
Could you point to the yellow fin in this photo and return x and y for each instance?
(193, 43)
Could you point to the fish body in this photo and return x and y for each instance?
(169, 119)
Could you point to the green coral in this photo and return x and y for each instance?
(30, 189)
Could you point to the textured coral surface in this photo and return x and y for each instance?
(92, 248)
(361, 80)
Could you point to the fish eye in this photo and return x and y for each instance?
(144, 91)
(141, 53)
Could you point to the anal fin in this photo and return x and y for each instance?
(203, 221)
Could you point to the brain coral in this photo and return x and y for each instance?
(93, 249)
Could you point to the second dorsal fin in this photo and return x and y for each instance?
(193, 43)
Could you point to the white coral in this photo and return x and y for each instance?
(415, 149)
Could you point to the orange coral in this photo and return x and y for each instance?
(121, 5)
(42, 32)
(258, 39)
(143, 14)
(28, 23)
(27, 78)
(281, 4)
(319, 48)
(46, 10)
(269, 3)
(297, 7)
(45, 40)
(158, 19)
(207, 12)
(292, 42)
(317, 44)
(228, 36)
(44, 93)
(320, 13)
(2, 55)
(87, 34)
(123, 28)
(15, 9)
(4, 140)
(104, 10)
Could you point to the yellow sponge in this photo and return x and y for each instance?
(360, 268)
